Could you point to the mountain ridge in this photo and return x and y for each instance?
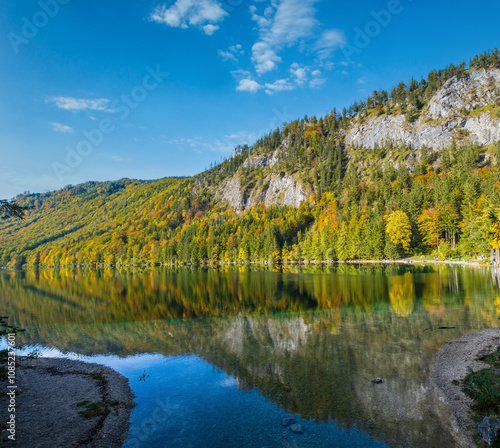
(315, 189)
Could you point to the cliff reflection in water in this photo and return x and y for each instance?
(309, 339)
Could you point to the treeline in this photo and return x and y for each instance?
(447, 206)
(411, 97)
(381, 203)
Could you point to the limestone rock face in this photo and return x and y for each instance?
(275, 190)
(232, 193)
(464, 109)
(447, 112)
(477, 89)
(285, 190)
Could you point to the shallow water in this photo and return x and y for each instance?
(220, 357)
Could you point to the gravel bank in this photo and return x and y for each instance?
(47, 415)
(454, 362)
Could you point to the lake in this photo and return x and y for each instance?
(219, 357)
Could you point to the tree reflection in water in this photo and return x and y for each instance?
(310, 339)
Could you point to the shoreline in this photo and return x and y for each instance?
(403, 261)
(453, 364)
(51, 397)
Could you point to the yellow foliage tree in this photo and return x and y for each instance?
(429, 227)
(398, 229)
(276, 256)
(242, 255)
(495, 237)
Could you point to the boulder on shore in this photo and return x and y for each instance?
(489, 430)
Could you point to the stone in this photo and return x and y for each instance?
(439, 122)
(489, 430)
(286, 422)
(297, 429)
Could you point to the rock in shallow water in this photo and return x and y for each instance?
(287, 422)
(297, 429)
(489, 430)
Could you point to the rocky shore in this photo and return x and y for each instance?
(457, 359)
(65, 403)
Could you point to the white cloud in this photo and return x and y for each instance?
(280, 85)
(226, 55)
(329, 41)
(203, 14)
(231, 53)
(210, 29)
(224, 145)
(317, 83)
(58, 127)
(241, 138)
(282, 25)
(68, 103)
(248, 85)
(264, 57)
(306, 76)
(240, 74)
(299, 73)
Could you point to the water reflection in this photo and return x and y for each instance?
(310, 340)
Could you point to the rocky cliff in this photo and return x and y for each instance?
(465, 109)
(271, 187)
(462, 108)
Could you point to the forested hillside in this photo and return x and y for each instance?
(411, 170)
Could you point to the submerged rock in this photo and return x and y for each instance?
(287, 422)
(297, 429)
(489, 430)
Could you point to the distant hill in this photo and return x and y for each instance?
(407, 171)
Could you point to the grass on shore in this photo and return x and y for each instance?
(92, 409)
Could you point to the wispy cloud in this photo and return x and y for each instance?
(281, 85)
(79, 104)
(288, 27)
(316, 83)
(58, 127)
(304, 75)
(202, 14)
(299, 73)
(224, 145)
(282, 24)
(231, 53)
(328, 42)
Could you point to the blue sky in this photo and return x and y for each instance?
(101, 90)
